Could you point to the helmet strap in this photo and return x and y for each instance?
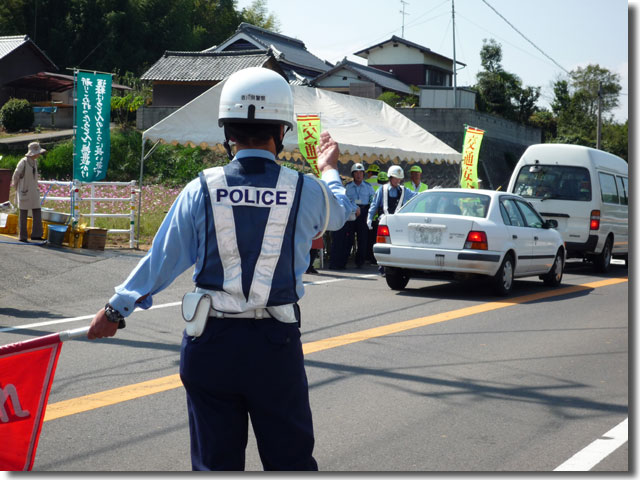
(226, 145)
(278, 141)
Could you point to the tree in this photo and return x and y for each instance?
(257, 14)
(575, 106)
(500, 92)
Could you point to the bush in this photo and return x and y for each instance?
(57, 163)
(16, 115)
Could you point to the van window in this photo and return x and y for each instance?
(622, 190)
(608, 188)
(554, 181)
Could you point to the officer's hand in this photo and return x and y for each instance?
(369, 225)
(101, 327)
(357, 211)
(328, 153)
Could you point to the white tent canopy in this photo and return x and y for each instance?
(362, 127)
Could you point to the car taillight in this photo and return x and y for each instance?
(476, 240)
(594, 223)
(383, 234)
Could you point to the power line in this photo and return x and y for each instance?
(523, 36)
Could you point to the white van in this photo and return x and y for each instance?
(586, 191)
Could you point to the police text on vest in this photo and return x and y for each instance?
(252, 196)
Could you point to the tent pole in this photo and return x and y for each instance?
(143, 157)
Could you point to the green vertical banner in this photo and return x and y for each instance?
(470, 152)
(308, 139)
(93, 114)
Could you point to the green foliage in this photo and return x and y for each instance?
(575, 106)
(390, 98)
(257, 14)
(125, 35)
(123, 108)
(500, 92)
(57, 163)
(16, 114)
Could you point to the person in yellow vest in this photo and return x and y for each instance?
(372, 176)
(415, 185)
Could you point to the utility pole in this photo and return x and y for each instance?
(599, 133)
(455, 74)
(403, 14)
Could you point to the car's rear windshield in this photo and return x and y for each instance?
(453, 203)
(553, 181)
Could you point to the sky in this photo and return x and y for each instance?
(571, 33)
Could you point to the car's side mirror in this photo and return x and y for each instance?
(551, 224)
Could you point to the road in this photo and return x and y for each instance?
(441, 377)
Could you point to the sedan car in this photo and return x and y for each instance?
(456, 232)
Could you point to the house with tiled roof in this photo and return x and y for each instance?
(20, 57)
(179, 77)
(300, 65)
(359, 80)
(417, 65)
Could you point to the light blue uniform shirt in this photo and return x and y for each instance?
(360, 194)
(377, 201)
(180, 240)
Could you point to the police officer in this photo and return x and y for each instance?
(390, 196)
(248, 228)
(360, 193)
(415, 185)
(382, 179)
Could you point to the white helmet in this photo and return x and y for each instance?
(396, 171)
(357, 167)
(256, 95)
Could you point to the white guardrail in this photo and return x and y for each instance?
(75, 198)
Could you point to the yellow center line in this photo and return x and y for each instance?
(137, 390)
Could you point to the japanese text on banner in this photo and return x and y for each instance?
(470, 152)
(93, 114)
(308, 139)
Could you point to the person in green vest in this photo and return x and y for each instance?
(372, 175)
(415, 185)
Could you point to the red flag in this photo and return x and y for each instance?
(26, 373)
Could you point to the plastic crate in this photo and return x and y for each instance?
(10, 223)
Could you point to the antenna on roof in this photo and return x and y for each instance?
(403, 14)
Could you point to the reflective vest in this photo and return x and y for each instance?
(389, 204)
(252, 205)
(421, 188)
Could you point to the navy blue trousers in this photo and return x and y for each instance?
(240, 369)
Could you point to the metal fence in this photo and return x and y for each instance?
(76, 196)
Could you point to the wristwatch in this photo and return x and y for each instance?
(114, 316)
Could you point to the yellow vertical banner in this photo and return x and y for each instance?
(470, 153)
(308, 139)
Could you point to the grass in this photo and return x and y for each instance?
(156, 202)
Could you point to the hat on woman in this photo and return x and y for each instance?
(35, 149)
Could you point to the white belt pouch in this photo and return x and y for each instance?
(195, 311)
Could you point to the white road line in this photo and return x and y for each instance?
(164, 305)
(598, 450)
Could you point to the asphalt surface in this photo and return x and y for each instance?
(521, 387)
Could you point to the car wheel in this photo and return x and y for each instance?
(503, 280)
(554, 277)
(603, 261)
(396, 278)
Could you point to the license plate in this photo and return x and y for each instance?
(425, 234)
